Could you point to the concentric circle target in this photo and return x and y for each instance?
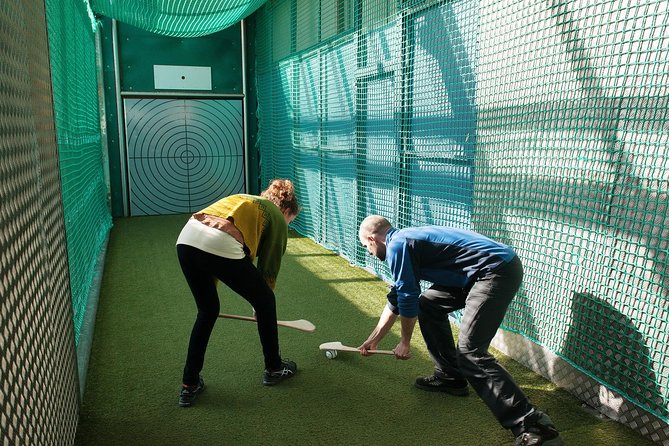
(182, 154)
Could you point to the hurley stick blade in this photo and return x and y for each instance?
(337, 346)
(300, 324)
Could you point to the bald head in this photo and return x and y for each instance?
(372, 235)
(373, 225)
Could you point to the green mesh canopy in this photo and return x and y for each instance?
(178, 18)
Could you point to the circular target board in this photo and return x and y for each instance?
(182, 154)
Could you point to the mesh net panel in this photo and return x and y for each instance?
(38, 381)
(77, 117)
(177, 18)
(543, 126)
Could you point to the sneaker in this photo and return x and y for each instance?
(285, 371)
(188, 393)
(434, 383)
(541, 433)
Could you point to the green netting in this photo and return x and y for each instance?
(178, 18)
(541, 124)
(80, 149)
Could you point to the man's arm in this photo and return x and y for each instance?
(407, 290)
(403, 349)
(386, 321)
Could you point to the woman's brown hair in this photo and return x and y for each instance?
(281, 192)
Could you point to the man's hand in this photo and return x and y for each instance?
(403, 350)
(386, 321)
(366, 347)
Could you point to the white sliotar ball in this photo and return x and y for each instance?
(331, 354)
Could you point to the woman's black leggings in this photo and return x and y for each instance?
(200, 269)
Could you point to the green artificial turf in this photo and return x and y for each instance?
(143, 323)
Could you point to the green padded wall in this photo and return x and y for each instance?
(39, 388)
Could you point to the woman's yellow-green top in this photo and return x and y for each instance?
(263, 227)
